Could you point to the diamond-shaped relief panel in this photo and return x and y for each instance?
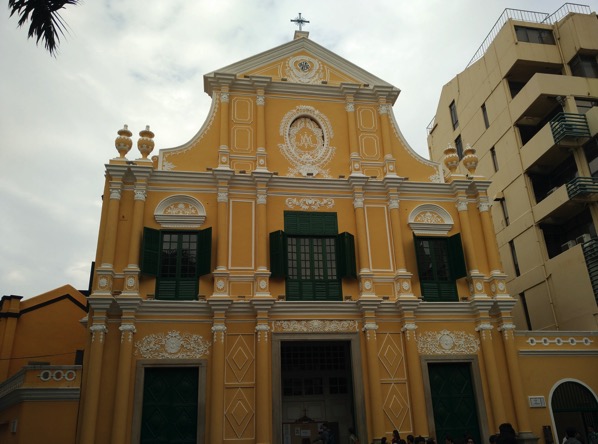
(239, 414)
(391, 356)
(396, 406)
(240, 361)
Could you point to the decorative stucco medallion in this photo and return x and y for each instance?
(172, 345)
(307, 134)
(103, 282)
(447, 342)
(304, 69)
(131, 282)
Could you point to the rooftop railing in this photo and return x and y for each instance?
(526, 16)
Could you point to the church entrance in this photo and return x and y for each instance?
(316, 390)
(453, 401)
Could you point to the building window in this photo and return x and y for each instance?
(177, 259)
(312, 256)
(583, 65)
(514, 257)
(454, 118)
(591, 151)
(505, 211)
(584, 105)
(528, 320)
(459, 146)
(485, 116)
(494, 159)
(534, 35)
(440, 262)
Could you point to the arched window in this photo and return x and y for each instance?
(573, 405)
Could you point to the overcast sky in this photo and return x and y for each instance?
(142, 62)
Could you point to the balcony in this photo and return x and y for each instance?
(538, 95)
(570, 127)
(590, 252)
(565, 203)
(585, 188)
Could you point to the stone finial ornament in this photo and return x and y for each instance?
(123, 142)
(470, 159)
(451, 158)
(145, 144)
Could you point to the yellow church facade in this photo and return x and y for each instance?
(296, 265)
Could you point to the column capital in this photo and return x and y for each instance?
(461, 204)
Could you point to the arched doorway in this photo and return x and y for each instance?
(573, 405)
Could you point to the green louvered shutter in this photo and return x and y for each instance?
(312, 224)
(456, 257)
(204, 252)
(434, 268)
(150, 251)
(278, 254)
(345, 259)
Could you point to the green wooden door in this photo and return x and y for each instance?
(170, 405)
(453, 401)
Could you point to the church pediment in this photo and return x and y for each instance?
(300, 61)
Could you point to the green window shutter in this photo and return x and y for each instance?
(187, 289)
(291, 222)
(204, 252)
(166, 288)
(345, 258)
(456, 257)
(278, 253)
(150, 251)
(420, 256)
(312, 224)
(329, 223)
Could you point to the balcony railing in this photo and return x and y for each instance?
(569, 125)
(581, 186)
(590, 252)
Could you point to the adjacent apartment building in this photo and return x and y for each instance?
(527, 102)
(295, 266)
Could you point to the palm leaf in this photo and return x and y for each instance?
(46, 24)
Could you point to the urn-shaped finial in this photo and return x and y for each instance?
(123, 142)
(451, 158)
(145, 144)
(470, 159)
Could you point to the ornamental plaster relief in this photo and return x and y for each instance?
(172, 345)
(304, 69)
(307, 134)
(447, 342)
(309, 203)
(430, 219)
(315, 326)
(180, 211)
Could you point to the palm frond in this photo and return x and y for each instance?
(46, 24)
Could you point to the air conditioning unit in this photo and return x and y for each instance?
(567, 245)
(584, 238)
